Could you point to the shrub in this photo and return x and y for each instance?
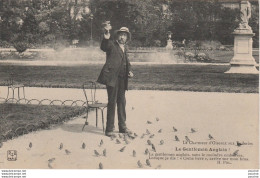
(4, 44)
(60, 45)
(21, 46)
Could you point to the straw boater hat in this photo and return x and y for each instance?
(124, 29)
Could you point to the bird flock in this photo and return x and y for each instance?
(126, 139)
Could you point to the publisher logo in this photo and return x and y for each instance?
(11, 155)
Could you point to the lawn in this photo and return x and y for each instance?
(18, 119)
(208, 78)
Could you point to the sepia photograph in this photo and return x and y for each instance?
(129, 85)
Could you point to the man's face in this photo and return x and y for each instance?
(122, 37)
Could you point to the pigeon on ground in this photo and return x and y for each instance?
(239, 144)
(174, 129)
(147, 132)
(235, 153)
(50, 166)
(30, 145)
(67, 151)
(100, 166)
(193, 130)
(101, 142)
(96, 153)
(187, 138)
(151, 136)
(1, 144)
(149, 142)
(142, 136)
(148, 162)
(210, 137)
(122, 149)
(139, 164)
(157, 119)
(51, 160)
(61, 146)
(161, 142)
(117, 141)
(146, 151)
(104, 152)
(120, 135)
(149, 122)
(134, 153)
(160, 131)
(83, 145)
(133, 108)
(176, 138)
(135, 135)
(153, 147)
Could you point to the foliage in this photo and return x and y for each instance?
(21, 46)
(45, 22)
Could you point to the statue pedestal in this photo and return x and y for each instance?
(169, 44)
(243, 61)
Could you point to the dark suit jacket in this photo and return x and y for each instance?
(114, 58)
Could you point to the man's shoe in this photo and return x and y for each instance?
(127, 131)
(110, 134)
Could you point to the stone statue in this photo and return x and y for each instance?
(245, 15)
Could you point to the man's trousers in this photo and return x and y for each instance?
(116, 96)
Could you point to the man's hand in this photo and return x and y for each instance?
(130, 74)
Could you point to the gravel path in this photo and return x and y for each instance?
(228, 117)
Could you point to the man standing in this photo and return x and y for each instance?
(114, 75)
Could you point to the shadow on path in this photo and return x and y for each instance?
(77, 128)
